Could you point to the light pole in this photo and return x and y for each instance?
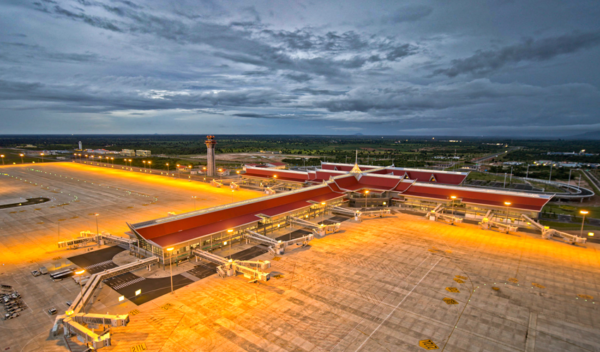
(21, 155)
(550, 178)
(171, 265)
(366, 197)
(2, 156)
(144, 161)
(149, 166)
(323, 215)
(112, 159)
(571, 169)
(178, 171)
(194, 198)
(527, 174)
(96, 216)
(130, 165)
(584, 213)
(42, 154)
(507, 204)
(232, 191)
(453, 198)
(167, 169)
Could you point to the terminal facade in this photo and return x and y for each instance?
(315, 193)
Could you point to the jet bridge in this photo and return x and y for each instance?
(82, 325)
(375, 212)
(487, 223)
(228, 267)
(548, 233)
(277, 247)
(234, 186)
(346, 211)
(72, 320)
(86, 335)
(270, 191)
(215, 183)
(437, 214)
(319, 230)
(87, 237)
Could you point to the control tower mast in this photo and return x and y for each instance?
(210, 156)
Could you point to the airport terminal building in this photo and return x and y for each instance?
(315, 192)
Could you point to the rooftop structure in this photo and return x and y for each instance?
(215, 227)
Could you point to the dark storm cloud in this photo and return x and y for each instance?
(377, 67)
(300, 78)
(87, 99)
(529, 50)
(245, 46)
(91, 20)
(408, 14)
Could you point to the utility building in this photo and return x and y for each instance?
(210, 156)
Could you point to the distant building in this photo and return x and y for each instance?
(80, 146)
(567, 164)
(127, 152)
(270, 152)
(143, 153)
(512, 163)
(543, 162)
(223, 172)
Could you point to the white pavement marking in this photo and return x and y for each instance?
(398, 305)
(98, 264)
(381, 303)
(128, 283)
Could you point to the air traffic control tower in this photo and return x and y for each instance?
(210, 156)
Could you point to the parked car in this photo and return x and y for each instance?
(43, 270)
(10, 316)
(35, 273)
(51, 311)
(68, 303)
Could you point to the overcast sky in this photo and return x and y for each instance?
(426, 67)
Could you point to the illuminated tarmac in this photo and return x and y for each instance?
(400, 283)
(389, 285)
(28, 234)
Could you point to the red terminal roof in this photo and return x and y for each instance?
(521, 201)
(171, 232)
(445, 177)
(287, 175)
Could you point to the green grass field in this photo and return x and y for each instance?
(12, 157)
(594, 212)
